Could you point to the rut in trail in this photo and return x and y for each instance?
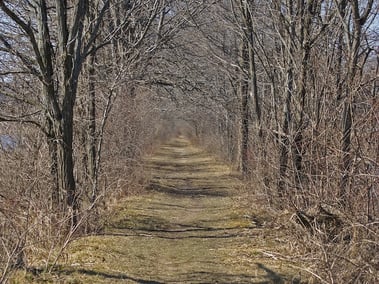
(187, 228)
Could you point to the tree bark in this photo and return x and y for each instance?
(305, 11)
(247, 28)
(91, 134)
(284, 136)
(287, 34)
(245, 111)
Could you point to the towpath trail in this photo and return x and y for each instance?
(187, 228)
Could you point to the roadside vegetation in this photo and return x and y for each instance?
(283, 92)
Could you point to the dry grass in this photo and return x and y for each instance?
(189, 227)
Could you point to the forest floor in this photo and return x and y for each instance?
(190, 226)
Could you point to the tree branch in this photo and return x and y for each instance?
(95, 31)
(23, 119)
(26, 61)
(27, 29)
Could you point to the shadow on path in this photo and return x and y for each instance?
(110, 276)
(187, 228)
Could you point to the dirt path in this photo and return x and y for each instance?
(186, 229)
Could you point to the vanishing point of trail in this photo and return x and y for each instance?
(187, 228)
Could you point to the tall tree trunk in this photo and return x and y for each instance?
(254, 89)
(288, 35)
(91, 135)
(53, 112)
(70, 48)
(248, 30)
(347, 123)
(58, 70)
(285, 133)
(56, 195)
(305, 12)
(245, 111)
(353, 34)
(66, 165)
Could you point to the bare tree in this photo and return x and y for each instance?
(56, 60)
(353, 29)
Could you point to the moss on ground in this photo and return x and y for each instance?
(187, 228)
